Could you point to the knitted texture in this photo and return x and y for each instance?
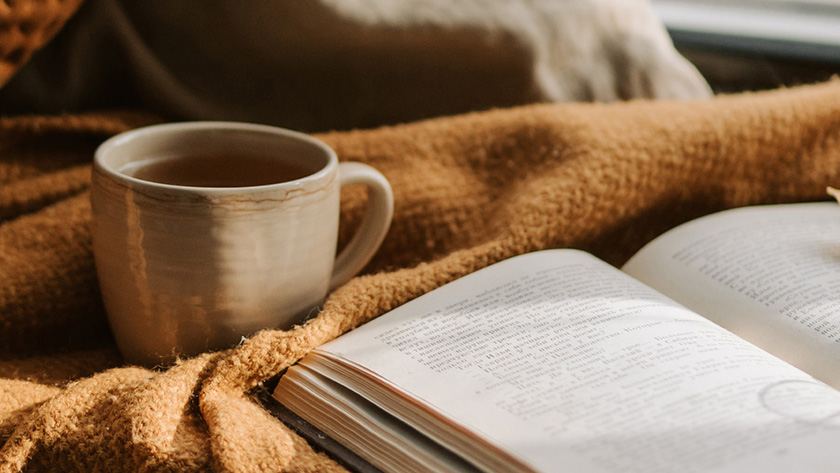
(26, 26)
(469, 190)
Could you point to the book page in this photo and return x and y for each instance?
(570, 365)
(770, 274)
(350, 419)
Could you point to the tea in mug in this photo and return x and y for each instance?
(217, 170)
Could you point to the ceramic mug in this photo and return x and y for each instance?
(187, 263)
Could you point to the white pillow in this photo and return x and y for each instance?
(338, 64)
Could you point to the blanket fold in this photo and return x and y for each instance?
(470, 190)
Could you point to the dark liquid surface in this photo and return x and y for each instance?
(217, 171)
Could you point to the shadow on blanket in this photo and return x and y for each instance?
(470, 190)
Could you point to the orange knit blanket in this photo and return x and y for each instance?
(469, 191)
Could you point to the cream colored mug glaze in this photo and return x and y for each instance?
(188, 269)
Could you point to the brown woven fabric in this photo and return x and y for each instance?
(470, 190)
(26, 26)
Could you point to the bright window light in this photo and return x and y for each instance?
(806, 29)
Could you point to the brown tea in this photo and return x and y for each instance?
(216, 170)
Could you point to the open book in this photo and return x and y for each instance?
(716, 348)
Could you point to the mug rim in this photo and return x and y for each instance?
(108, 146)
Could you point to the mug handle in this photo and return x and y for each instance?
(375, 223)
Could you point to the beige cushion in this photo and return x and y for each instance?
(338, 64)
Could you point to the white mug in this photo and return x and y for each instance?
(197, 246)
